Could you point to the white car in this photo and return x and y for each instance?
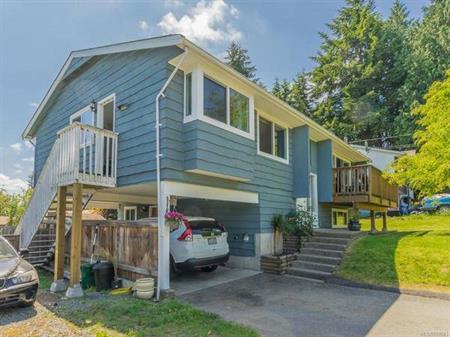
(198, 243)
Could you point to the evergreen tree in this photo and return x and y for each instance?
(282, 89)
(427, 61)
(237, 58)
(348, 70)
(299, 96)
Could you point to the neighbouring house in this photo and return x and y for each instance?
(140, 126)
(381, 159)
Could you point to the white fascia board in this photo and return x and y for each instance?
(158, 42)
(207, 192)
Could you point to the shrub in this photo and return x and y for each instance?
(300, 223)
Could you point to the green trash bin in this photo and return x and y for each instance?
(87, 276)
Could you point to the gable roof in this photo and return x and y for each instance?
(182, 42)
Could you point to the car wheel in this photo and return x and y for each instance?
(29, 304)
(209, 269)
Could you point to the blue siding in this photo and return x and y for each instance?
(313, 157)
(301, 161)
(135, 78)
(325, 171)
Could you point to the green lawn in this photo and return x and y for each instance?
(106, 315)
(414, 255)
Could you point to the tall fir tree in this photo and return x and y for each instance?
(427, 61)
(299, 97)
(348, 68)
(237, 57)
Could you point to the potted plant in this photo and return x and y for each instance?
(353, 224)
(300, 223)
(278, 262)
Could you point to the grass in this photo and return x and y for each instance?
(105, 315)
(415, 254)
(45, 279)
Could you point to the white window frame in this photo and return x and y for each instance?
(130, 208)
(100, 110)
(84, 142)
(268, 155)
(197, 112)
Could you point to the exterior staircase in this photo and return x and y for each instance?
(42, 246)
(320, 256)
(80, 154)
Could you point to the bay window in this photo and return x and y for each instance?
(214, 100)
(239, 108)
(272, 140)
(188, 94)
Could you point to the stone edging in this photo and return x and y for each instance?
(424, 293)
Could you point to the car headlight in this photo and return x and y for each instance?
(24, 277)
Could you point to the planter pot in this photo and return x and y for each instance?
(354, 225)
(276, 264)
(144, 288)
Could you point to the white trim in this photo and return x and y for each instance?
(130, 208)
(80, 112)
(207, 192)
(268, 155)
(100, 111)
(314, 197)
(218, 175)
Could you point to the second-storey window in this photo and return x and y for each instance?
(215, 100)
(239, 110)
(272, 139)
(188, 94)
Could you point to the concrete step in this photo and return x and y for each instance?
(323, 252)
(314, 274)
(327, 246)
(319, 259)
(324, 239)
(329, 268)
(336, 233)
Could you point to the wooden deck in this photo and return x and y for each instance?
(364, 185)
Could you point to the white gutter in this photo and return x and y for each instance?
(161, 202)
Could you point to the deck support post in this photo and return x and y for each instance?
(74, 289)
(373, 229)
(385, 229)
(59, 283)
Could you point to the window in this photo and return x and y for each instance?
(214, 100)
(188, 94)
(272, 139)
(280, 142)
(239, 111)
(130, 213)
(84, 116)
(265, 136)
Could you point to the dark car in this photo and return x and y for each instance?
(19, 280)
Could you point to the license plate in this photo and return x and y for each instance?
(212, 241)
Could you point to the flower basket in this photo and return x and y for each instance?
(174, 219)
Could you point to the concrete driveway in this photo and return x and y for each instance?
(282, 306)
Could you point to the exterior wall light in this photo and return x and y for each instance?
(246, 237)
(93, 106)
(123, 107)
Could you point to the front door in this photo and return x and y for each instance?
(313, 198)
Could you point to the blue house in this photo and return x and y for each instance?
(137, 126)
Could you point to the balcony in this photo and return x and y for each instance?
(86, 155)
(363, 184)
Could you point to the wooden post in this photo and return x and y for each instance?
(59, 284)
(385, 222)
(373, 229)
(60, 233)
(74, 289)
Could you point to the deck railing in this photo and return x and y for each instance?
(364, 181)
(88, 155)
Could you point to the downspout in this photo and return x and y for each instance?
(158, 170)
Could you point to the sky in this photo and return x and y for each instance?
(37, 36)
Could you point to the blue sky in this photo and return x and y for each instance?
(36, 37)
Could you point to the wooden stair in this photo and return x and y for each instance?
(320, 256)
(42, 246)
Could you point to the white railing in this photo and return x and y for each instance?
(88, 155)
(81, 154)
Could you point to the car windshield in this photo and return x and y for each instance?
(6, 251)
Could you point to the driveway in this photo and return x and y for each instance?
(287, 306)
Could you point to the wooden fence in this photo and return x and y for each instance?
(134, 244)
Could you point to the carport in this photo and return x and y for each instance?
(169, 195)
